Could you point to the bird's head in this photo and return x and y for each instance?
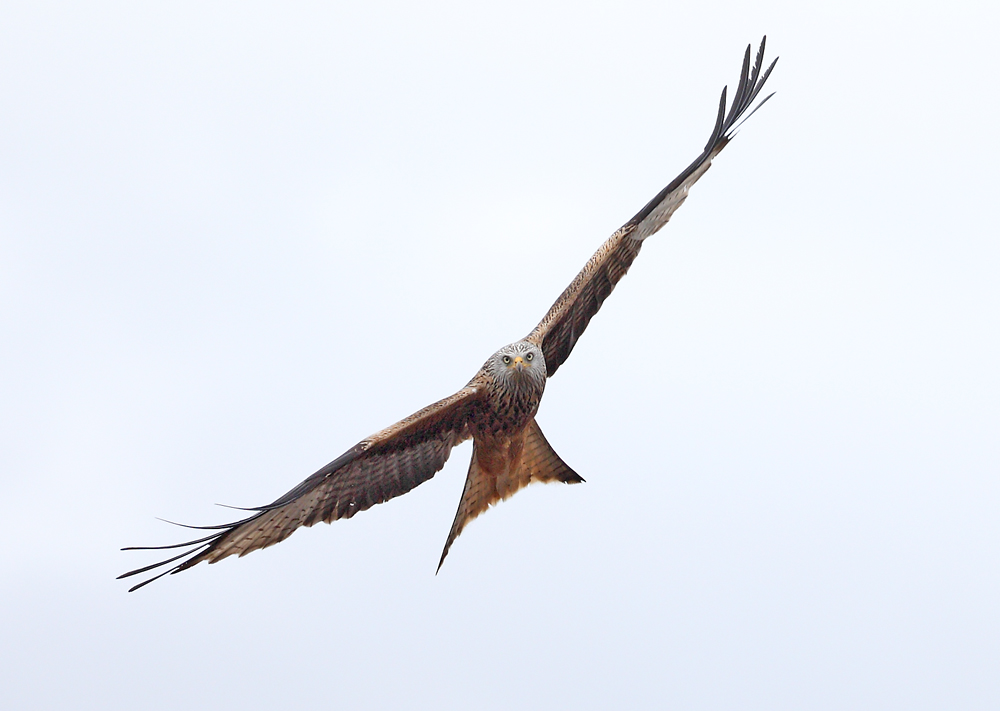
(518, 364)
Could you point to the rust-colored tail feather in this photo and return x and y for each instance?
(499, 469)
(540, 460)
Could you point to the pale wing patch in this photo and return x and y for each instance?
(661, 214)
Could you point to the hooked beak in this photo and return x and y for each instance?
(519, 363)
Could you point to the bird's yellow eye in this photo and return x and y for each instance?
(506, 360)
(529, 356)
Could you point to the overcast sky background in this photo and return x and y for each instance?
(235, 239)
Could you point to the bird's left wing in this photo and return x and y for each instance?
(562, 326)
(377, 469)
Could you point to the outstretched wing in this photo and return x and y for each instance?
(377, 469)
(562, 326)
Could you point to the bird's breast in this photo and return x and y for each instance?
(506, 411)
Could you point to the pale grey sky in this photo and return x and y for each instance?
(235, 239)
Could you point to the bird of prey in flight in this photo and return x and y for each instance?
(496, 410)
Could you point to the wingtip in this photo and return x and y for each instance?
(142, 584)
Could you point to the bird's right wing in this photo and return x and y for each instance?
(562, 326)
(377, 469)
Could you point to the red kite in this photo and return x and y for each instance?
(496, 410)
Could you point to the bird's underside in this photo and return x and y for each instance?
(496, 409)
